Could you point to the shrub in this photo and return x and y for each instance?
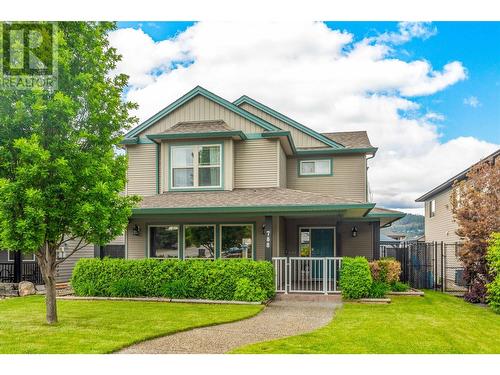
(201, 279)
(126, 288)
(176, 289)
(398, 286)
(355, 277)
(246, 290)
(379, 289)
(386, 270)
(493, 258)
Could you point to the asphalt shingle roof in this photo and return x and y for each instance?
(355, 139)
(199, 127)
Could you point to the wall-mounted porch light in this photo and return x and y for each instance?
(136, 230)
(354, 231)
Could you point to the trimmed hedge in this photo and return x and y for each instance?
(385, 270)
(493, 258)
(355, 278)
(200, 279)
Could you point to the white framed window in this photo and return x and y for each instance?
(163, 241)
(26, 257)
(196, 166)
(236, 241)
(432, 208)
(320, 167)
(199, 241)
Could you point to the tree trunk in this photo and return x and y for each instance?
(47, 261)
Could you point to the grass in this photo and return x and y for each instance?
(436, 323)
(102, 326)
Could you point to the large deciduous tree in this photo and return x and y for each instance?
(60, 174)
(476, 208)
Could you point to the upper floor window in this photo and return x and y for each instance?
(196, 166)
(321, 167)
(432, 208)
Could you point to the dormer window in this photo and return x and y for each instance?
(195, 166)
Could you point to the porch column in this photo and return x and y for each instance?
(376, 239)
(18, 266)
(268, 238)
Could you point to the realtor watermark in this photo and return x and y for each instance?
(28, 53)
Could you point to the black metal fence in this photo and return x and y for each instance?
(30, 272)
(429, 265)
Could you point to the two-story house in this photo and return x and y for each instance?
(439, 223)
(241, 180)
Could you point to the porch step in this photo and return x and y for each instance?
(309, 297)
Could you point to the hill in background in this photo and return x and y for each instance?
(411, 225)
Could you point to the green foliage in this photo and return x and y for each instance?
(126, 288)
(386, 270)
(176, 289)
(86, 288)
(247, 290)
(398, 286)
(216, 280)
(59, 173)
(378, 289)
(493, 258)
(355, 277)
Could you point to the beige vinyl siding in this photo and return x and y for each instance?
(137, 246)
(348, 180)
(65, 269)
(228, 165)
(300, 138)
(361, 245)
(441, 227)
(141, 172)
(282, 167)
(200, 108)
(256, 163)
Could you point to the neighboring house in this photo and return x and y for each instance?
(241, 180)
(396, 236)
(439, 223)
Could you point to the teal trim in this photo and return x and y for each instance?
(341, 151)
(198, 90)
(226, 134)
(196, 143)
(217, 241)
(254, 209)
(299, 174)
(129, 141)
(288, 121)
(281, 134)
(158, 151)
(181, 241)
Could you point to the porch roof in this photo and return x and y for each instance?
(385, 215)
(258, 200)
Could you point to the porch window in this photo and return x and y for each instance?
(196, 166)
(236, 241)
(199, 242)
(432, 208)
(163, 241)
(25, 257)
(320, 167)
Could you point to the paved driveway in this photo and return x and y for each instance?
(281, 318)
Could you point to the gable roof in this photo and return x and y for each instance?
(461, 176)
(355, 139)
(288, 121)
(198, 90)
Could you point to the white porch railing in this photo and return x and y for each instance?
(306, 274)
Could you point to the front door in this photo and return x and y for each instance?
(317, 243)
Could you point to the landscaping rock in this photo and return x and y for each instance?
(26, 288)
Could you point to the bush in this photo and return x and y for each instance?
(246, 290)
(201, 279)
(398, 286)
(126, 288)
(355, 277)
(493, 258)
(176, 289)
(386, 270)
(379, 289)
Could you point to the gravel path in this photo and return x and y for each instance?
(280, 318)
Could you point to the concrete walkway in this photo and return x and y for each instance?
(286, 316)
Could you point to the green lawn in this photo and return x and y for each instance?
(102, 326)
(436, 323)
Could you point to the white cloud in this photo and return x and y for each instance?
(472, 101)
(408, 31)
(319, 77)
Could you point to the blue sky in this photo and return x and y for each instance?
(475, 44)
